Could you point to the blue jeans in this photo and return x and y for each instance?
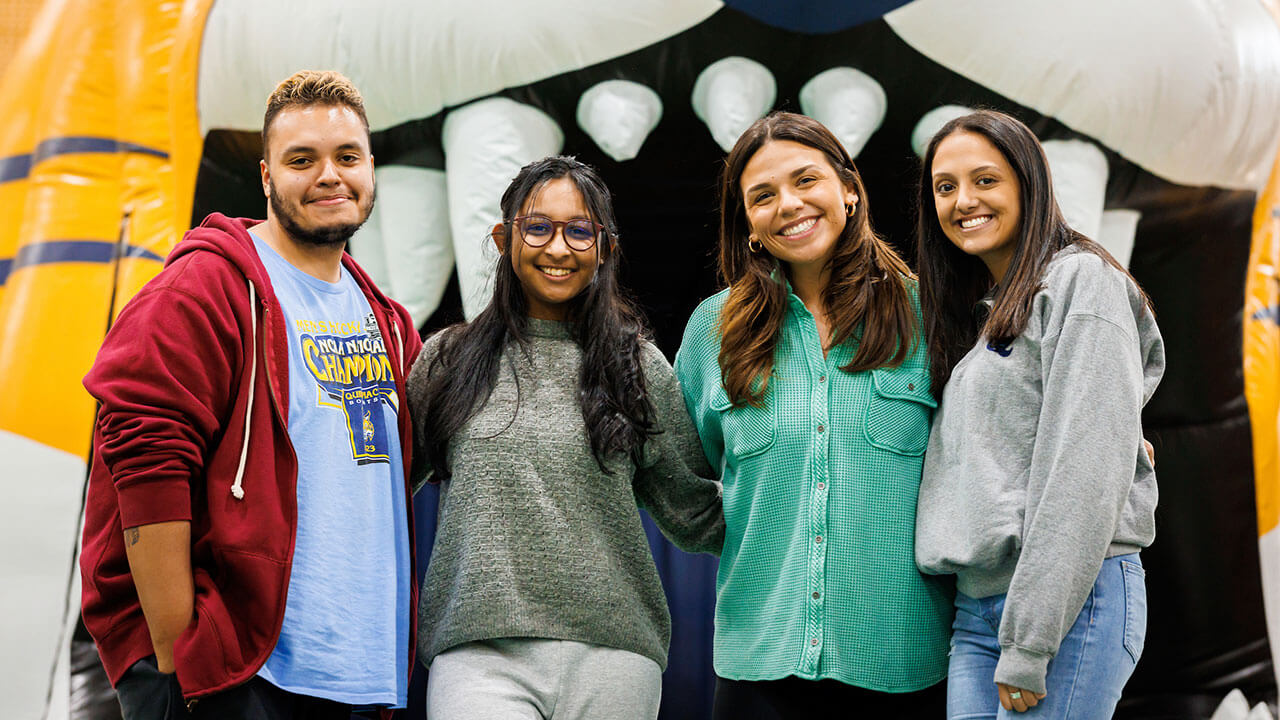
(1090, 669)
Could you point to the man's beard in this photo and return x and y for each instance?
(328, 236)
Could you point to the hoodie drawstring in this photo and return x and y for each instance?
(395, 330)
(237, 488)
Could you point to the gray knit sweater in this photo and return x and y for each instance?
(533, 540)
(1035, 469)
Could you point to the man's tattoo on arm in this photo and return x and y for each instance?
(131, 536)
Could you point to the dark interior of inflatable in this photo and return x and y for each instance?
(1207, 632)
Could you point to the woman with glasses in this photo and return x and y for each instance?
(546, 421)
(1036, 494)
(808, 381)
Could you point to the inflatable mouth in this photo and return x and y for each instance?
(644, 89)
(1158, 119)
(1177, 97)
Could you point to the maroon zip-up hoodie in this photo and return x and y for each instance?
(193, 381)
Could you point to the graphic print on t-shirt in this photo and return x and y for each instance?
(349, 363)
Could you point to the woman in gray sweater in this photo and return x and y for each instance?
(546, 421)
(1036, 493)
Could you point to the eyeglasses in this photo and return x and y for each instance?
(537, 230)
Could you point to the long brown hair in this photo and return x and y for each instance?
(867, 296)
(952, 282)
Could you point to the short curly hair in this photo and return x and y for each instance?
(312, 87)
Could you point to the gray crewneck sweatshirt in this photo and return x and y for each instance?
(1035, 470)
(533, 540)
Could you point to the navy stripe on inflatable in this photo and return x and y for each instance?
(65, 251)
(815, 17)
(16, 167)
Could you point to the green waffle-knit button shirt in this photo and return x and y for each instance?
(817, 578)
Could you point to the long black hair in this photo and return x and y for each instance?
(953, 281)
(611, 387)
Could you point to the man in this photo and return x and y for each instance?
(248, 532)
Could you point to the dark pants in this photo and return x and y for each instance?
(147, 694)
(793, 697)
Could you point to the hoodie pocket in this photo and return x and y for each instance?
(899, 411)
(748, 430)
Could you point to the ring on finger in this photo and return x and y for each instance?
(1015, 695)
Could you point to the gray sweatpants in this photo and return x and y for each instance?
(536, 679)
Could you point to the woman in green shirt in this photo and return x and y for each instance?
(808, 382)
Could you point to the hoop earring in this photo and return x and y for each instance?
(754, 245)
(850, 209)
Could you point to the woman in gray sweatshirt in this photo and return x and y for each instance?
(547, 420)
(1036, 493)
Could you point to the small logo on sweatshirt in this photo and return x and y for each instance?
(371, 327)
(1002, 349)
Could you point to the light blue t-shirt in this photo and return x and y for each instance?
(346, 618)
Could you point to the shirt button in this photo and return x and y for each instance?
(817, 540)
(822, 378)
(815, 596)
(813, 641)
(822, 428)
(911, 386)
(821, 485)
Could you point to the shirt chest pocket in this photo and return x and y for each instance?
(899, 410)
(747, 430)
